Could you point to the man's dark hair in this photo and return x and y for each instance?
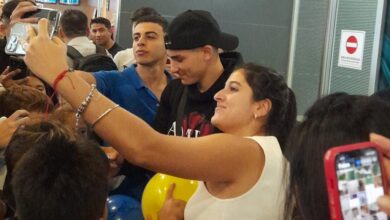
(143, 11)
(157, 19)
(74, 23)
(101, 20)
(61, 176)
(267, 84)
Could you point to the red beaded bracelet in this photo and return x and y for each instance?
(58, 78)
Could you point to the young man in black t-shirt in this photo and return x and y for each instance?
(101, 34)
(192, 41)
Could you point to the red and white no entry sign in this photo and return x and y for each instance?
(351, 49)
(352, 44)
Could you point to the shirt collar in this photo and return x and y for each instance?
(136, 79)
(79, 41)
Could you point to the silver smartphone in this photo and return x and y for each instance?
(16, 42)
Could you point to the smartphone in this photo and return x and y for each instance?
(18, 35)
(18, 63)
(355, 179)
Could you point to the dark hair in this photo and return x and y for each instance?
(23, 97)
(157, 19)
(7, 10)
(18, 145)
(101, 20)
(9, 7)
(74, 23)
(143, 11)
(384, 94)
(334, 120)
(267, 84)
(60, 176)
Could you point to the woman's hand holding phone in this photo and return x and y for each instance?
(384, 145)
(355, 178)
(21, 9)
(25, 15)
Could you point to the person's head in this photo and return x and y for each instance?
(73, 23)
(192, 41)
(148, 40)
(23, 97)
(101, 32)
(141, 12)
(65, 114)
(18, 145)
(60, 176)
(334, 120)
(36, 83)
(255, 100)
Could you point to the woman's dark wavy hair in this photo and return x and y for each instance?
(267, 84)
(334, 120)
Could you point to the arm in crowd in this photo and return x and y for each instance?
(9, 125)
(88, 77)
(7, 75)
(19, 11)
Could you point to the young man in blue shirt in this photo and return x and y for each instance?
(138, 89)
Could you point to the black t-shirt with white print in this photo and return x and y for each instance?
(199, 106)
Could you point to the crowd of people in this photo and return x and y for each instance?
(182, 102)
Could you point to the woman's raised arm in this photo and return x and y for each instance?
(221, 157)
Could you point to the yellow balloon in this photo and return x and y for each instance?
(155, 191)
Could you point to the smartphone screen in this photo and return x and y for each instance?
(17, 39)
(359, 181)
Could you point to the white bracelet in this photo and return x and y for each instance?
(84, 105)
(104, 114)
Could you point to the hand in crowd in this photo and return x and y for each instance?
(7, 75)
(22, 8)
(9, 125)
(384, 144)
(115, 160)
(45, 57)
(172, 209)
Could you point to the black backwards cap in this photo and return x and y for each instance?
(196, 28)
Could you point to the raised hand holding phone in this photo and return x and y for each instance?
(21, 9)
(355, 179)
(18, 37)
(39, 55)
